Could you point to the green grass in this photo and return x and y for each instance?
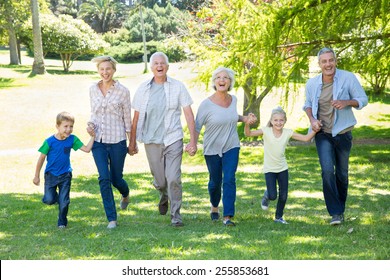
(7, 82)
(29, 227)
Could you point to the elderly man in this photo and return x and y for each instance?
(330, 98)
(157, 108)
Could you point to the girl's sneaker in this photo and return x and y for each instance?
(281, 221)
(265, 201)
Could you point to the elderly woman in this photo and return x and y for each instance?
(221, 144)
(111, 118)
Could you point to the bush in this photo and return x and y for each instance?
(133, 52)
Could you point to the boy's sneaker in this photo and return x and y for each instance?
(280, 221)
(112, 224)
(336, 220)
(265, 201)
(62, 226)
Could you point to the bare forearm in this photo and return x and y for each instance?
(89, 146)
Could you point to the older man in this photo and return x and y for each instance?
(157, 108)
(330, 98)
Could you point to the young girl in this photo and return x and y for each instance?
(275, 167)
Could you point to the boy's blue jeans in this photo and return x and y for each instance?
(109, 160)
(333, 153)
(51, 196)
(222, 171)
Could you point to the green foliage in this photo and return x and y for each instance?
(152, 26)
(115, 38)
(269, 43)
(158, 23)
(103, 15)
(133, 52)
(66, 36)
(67, 7)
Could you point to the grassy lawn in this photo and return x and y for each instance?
(28, 227)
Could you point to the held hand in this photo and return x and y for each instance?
(91, 131)
(249, 119)
(252, 118)
(316, 125)
(132, 149)
(191, 149)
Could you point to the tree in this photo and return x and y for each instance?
(159, 23)
(13, 14)
(190, 5)
(38, 64)
(103, 15)
(152, 26)
(67, 7)
(268, 43)
(67, 37)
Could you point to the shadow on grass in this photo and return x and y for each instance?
(29, 227)
(62, 72)
(383, 98)
(6, 82)
(29, 230)
(70, 72)
(51, 69)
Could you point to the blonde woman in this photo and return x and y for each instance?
(111, 118)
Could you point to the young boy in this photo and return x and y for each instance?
(58, 172)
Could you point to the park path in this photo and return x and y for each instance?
(27, 116)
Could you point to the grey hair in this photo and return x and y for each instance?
(278, 110)
(325, 50)
(156, 54)
(103, 58)
(230, 73)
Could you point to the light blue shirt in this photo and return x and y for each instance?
(176, 96)
(345, 87)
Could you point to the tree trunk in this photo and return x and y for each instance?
(19, 51)
(252, 102)
(13, 46)
(38, 65)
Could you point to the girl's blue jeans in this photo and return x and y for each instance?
(282, 179)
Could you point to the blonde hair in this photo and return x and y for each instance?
(64, 116)
(104, 58)
(278, 110)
